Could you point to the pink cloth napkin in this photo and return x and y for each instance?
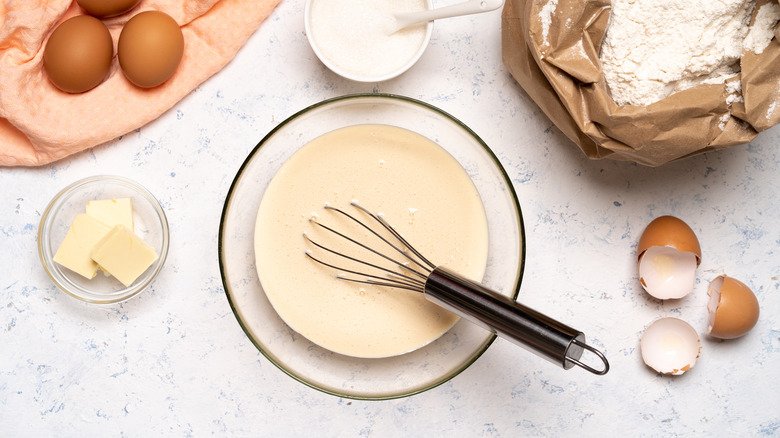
(40, 124)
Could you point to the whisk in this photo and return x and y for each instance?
(542, 335)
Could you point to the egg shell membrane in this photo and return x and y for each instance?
(666, 273)
(733, 308)
(669, 231)
(670, 346)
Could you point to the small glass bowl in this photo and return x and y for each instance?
(310, 364)
(149, 221)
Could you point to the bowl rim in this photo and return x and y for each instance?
(360, 78)
(128, 292)
(521, 229)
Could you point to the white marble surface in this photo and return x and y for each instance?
(175, 362)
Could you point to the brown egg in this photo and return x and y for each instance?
(150, 48)
(669, 231)
(107, 8)
(733, 308)
(78, 54)
(668, 254)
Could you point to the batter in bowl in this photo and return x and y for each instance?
(418, 187)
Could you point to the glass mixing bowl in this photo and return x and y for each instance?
(345, 376)
(149, 221)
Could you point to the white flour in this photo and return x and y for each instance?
(654, 48)
(545, 15)
(734, 92)
(762, 30)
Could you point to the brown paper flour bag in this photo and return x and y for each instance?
(552, 50)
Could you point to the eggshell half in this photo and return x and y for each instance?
(670, 346)
(666, 273)
(669, 231)
(733, 308)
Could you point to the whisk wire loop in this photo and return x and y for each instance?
(389, 228)
(397, 280)
(398, 236)
(386, 283)
(366, 247)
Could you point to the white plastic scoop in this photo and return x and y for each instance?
(406, 19)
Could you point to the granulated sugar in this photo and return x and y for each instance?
(354, 35)
(654, 48)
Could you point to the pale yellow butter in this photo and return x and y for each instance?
(75, 251)
(123, 254)
(112, 211)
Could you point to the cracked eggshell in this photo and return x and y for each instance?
(733, 308)
(670, 346)
(668, 254)
(669, 231)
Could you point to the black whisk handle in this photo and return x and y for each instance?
(542, 335)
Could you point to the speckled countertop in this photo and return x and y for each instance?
(174, 361)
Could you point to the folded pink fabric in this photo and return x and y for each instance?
(40, 124)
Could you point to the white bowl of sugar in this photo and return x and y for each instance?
(355, 38)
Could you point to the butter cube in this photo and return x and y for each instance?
(74, 252)
(123, 254)
(112, 211)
